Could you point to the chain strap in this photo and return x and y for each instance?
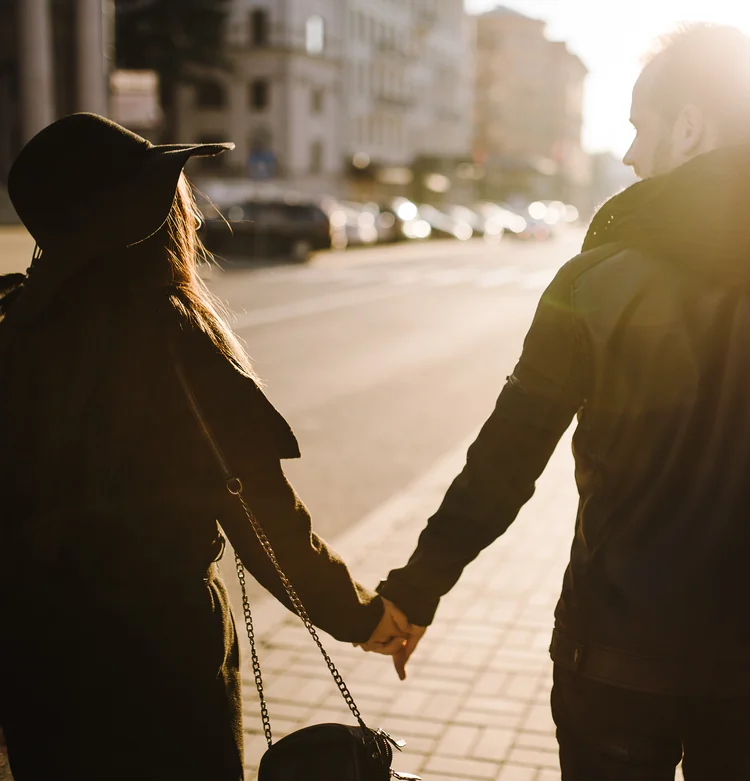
(265, 718)
(234, 486)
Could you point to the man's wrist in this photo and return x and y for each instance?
(418, 608)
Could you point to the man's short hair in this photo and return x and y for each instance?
(709, 66)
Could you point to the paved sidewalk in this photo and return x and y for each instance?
(475, 705)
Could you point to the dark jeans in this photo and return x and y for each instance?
(611, 734)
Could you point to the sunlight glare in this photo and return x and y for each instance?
(612, 39)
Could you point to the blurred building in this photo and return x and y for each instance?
(528, 111)
(280, 100)
(338, 96)
(52, 62)
(409, 96)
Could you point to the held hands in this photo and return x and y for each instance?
(395, 636)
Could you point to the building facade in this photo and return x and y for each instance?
(337, 96)
(528, 111)
(408, 92)
(280, 98)
(53, 61)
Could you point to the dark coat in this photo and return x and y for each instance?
(119, 658)
(646, 338)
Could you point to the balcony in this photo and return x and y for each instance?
(392, 101)
(391, 49)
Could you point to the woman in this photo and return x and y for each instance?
(118, 654)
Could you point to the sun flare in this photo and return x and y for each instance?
(611, 39)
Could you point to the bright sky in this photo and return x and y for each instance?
(611, 37)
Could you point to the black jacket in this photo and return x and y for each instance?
(646, 338)
(113, 620)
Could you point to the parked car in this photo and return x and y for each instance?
(352, 224)
(399, 220)
(269, 228)
(444, 225)
(490, 226)
(513, 223)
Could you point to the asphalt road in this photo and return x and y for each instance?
(384, 360)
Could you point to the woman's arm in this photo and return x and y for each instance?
(334, 600)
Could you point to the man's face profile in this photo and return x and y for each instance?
(651, 152)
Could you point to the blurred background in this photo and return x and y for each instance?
(408, 177)
(363, 109)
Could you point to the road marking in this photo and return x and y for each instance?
(500, 276)
(540, 279)
(312, 306)
(450, 276)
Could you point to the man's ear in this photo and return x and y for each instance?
(691, 132)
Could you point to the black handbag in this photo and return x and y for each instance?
(330, 752)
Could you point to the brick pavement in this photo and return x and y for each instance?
(475, 705)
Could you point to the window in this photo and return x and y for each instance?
(260, 94)
(317, 100)
(210, 94)
(316, 157)
(259, 28)
(315, 35)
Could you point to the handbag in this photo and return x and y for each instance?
(334, 752)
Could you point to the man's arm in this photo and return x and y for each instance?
(536, 406)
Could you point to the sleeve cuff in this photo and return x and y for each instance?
(419, 610)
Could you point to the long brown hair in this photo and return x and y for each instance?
(78, 386)
(193, 299)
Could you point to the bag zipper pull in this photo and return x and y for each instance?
(399, 744)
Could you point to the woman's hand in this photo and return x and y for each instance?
(391, 634)
(395, 636)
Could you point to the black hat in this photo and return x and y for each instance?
(85, 186)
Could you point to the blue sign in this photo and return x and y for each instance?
(261, 164)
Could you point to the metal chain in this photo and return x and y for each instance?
(234, 486)
(265, 718)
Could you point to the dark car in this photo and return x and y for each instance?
(269, 229)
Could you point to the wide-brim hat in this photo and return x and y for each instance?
(85, 186)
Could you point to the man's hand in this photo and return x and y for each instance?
(391, 634)
(402, 654)
(395, 636)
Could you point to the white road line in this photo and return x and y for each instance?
(500, 276)
(538, 280)
(450, 276)
(312, 306)
(387, 285)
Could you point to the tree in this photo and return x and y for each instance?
(169, 37)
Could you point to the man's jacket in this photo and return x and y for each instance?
(645, 337)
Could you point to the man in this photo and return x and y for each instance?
(646, 338)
